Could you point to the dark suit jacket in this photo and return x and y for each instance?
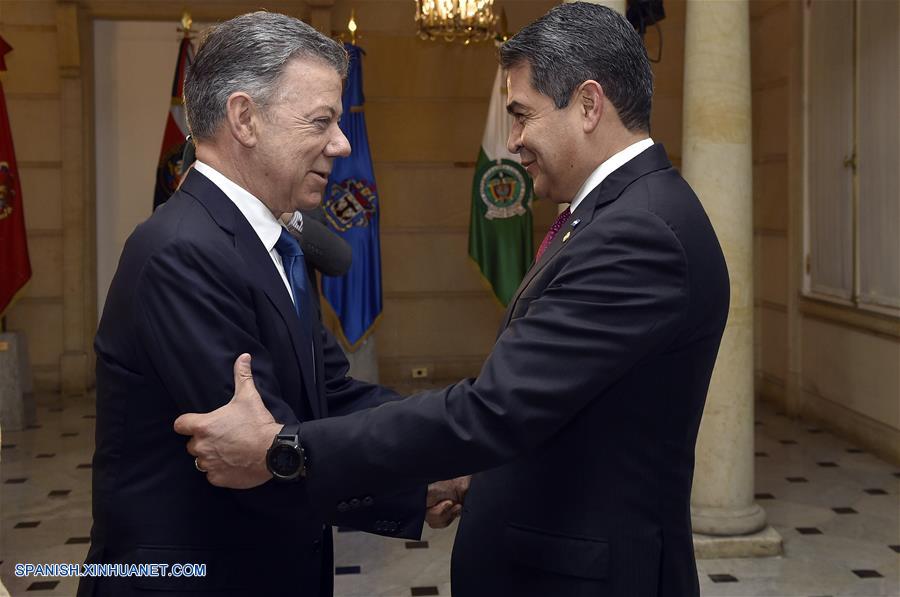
(195, 287)
(584, 416)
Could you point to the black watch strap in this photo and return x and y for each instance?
(290, 432)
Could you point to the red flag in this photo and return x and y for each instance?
(168, 171)
(15, 268)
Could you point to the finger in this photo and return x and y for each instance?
(441, 508)
(454, 512)
(188, 424)
(243, 376)
(192, 447)
(438, 516)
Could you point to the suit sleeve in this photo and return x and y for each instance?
(194, 319)
(390, 513)
(620, 295)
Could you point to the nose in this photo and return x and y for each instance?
(514, 141)
(339, 147)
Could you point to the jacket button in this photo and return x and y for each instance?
(354, 503)
(343, 507)
(368, 501)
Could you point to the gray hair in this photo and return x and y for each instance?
(578, 42)
(248, 53)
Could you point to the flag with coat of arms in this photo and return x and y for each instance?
(169, 168)
(351, 209)
(501, 241)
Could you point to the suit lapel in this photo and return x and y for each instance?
(262, 273)
(651, 160)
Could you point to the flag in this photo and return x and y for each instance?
(500, 224)
(168, 170)
(15, 267)
(351, 210)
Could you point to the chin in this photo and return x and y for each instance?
(308, 201)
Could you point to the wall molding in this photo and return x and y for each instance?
(883, 326)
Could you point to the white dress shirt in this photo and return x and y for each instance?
(608, 167)
(267, 228)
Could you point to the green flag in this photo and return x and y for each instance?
(500, 226)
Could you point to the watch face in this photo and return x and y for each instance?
(284, 460)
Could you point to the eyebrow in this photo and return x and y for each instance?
(330, 109)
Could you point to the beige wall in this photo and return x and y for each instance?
(33, 95)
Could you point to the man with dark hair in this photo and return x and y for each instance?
(585, 415)
(211, 274)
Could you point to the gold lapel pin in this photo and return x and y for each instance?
(566, 237)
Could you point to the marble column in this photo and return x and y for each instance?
(79, 299)
(717, 162)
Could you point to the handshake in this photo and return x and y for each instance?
(444, 501)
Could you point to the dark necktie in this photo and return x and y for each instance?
(294, 266)
(551, 234)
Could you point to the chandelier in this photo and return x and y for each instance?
(463, 20)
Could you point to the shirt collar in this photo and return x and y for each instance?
(607, 168)
(257, 214)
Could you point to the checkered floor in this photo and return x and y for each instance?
(837, 507)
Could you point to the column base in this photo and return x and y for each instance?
(762, 544)
(728, 522)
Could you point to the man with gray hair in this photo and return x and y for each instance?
(210, 275)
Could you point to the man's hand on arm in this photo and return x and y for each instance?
(230, 443)
(444, 501)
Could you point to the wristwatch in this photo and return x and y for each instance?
(285, 458)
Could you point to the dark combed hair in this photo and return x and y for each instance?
(578, 42)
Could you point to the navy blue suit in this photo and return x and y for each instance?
(195, 287)
(583, 418)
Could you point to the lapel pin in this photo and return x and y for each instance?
(576, 223)
(566, 237)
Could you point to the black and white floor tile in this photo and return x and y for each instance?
(836, 506)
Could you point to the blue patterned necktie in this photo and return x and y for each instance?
(294, 266)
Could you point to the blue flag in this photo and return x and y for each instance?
(351, 210)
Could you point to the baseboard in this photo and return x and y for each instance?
(876, 437)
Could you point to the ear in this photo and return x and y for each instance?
(241, 118)
(590, 98)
